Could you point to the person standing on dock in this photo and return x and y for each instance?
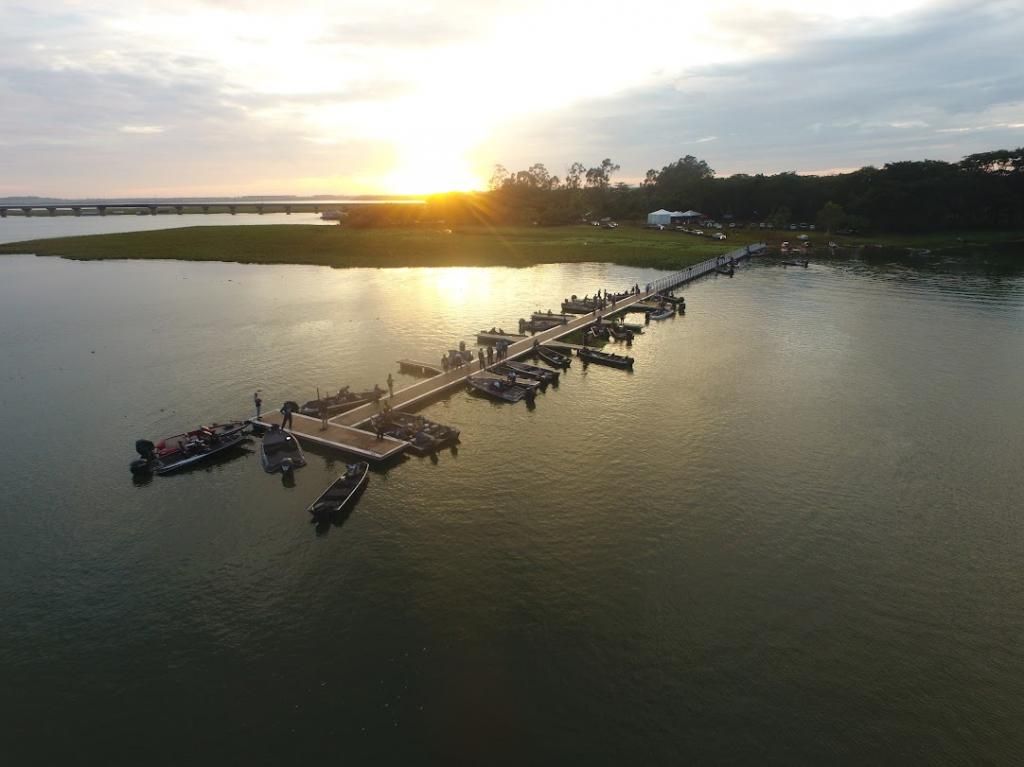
(286, 415)
(323, 416)
(391, 386)
(258, 402)
(490, 355)
(444, 362)
(480, 356)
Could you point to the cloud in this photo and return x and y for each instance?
(829, 99)
(112, 96)
(141, 129)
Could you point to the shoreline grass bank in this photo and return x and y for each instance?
(382, 248)
(341, 247)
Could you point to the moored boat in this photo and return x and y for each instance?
(341, 402)
(424, 436)
(499, 390)
(532, 371)
(550, 316)
(280, 451)
(182, 450)
(606, 358)
(620, 333)
(663, 314)
(553, 358)
(343, 492)
(505, 373)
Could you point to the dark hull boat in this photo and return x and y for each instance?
(553, 358)
(424, 437)
(620, 333)
(578, 307)
(508, 375)
(499, 390)
(538, 326)
(280, 451)
(183, 450)
(663, 314)
(338, 403)
(548, 316)
(543, 375)
(343, 492)
(606, 358)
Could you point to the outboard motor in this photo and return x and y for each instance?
(286, 466)
(147, 453)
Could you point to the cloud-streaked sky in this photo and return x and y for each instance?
(223, 97)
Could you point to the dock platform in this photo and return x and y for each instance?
(342, 433)
(414, 367)
(338, 436)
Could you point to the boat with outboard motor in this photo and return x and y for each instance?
(504, 372)
(424, 436)
(663, 314)
(280, 451)
(553, 358)
(620, 333)
(343, 492)
(182, 450)
(605, 358)
(336, 404)
(543, 375)
(500, 390)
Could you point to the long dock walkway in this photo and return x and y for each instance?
(343, 434)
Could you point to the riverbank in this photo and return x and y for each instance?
(477, 246)
(392, 247)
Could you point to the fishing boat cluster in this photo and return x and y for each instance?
(499, 378)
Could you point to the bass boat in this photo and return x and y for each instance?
(606, 358)
(500, 390)
(280, 451)
(182, 450)
(343, 492)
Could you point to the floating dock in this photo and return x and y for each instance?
(342, 434)
(338, 436)
(414, 367)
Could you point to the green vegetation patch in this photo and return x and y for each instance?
(391, 247)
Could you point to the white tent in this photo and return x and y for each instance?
(661, 217)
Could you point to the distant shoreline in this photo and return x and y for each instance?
(342, 247)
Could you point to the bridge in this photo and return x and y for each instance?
(343, 431)
(181, 207)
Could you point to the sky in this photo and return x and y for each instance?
(107, 98)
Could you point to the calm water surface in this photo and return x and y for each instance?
(793, 535)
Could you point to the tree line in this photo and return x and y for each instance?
(982, 191)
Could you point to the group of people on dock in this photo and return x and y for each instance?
(454, 360)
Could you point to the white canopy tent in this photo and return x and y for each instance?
(661, 217)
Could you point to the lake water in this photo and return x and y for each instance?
(792, 535)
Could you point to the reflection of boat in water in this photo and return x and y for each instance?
(280, 451)
(173, 453)
(606, 358)
(424, 436)
(500, 390)
(341, 402)
(343, 492)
